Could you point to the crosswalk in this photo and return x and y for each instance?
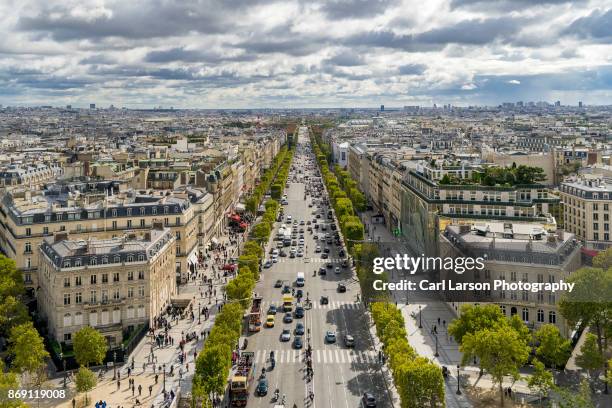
(324, 356)
(332, 305)
(311, 260)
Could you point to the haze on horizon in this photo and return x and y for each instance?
(298, 53)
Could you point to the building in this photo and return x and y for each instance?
(97, 210)
(113, 285)
(513, 252)
(587, 204)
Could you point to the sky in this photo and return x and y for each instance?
(300, 53)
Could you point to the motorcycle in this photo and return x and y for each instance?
(275, 397)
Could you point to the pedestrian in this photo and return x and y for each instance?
(73, 403)
(156, 378)
(118, 385)
(150, 390)
(139, 390)
(443, 323)
(133, 390)
(129, 370)
(438, 320)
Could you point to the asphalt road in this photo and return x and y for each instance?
(341, 374)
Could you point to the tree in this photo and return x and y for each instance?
(212, 368)
(12, 311)
(541, 381)
(276, 190)
(474, 318)
(85, 381)
(89, 346)
(358, 199)
(603, 259)
(241, 287)
(590, 359)
(28, 350)
(420, 383)
(251, 262)
(9, 381)
(261, 232)
(252, 204)
(553, 350)
(501, 352)
(589, 301)
(570, 399)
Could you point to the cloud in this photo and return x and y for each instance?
(344, 9)
(514, 82)
(597, 25)
(346, 58)
(412, 69)
(483, 5)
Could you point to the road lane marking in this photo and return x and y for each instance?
(318, 357)
(336, 356)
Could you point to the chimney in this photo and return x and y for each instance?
(60, 236)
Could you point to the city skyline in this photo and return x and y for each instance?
(265, 54)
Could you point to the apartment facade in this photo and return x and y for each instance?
(112, 284)
(587, 210)
(97, 210)
(513, 252)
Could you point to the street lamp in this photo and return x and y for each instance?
(458, 390)
(199, 313)
(420, 323)
(64, 366)
(164, 377)
(114, 365)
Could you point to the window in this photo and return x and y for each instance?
(45, 230)
(105, 295)
(77, 262)
(154, 210)
(552, 317)
(67, 263)
(78, 298)
(93, 261)
(93, 279)
(28, 231)
(67, 336)
(116, 294)
(116, 277)
(166, 210)
(129, 223)
(66, 299)
(114, 212)
(130, 258)
(142, 223)
(93, 296)
(141, 291)
(526, 315)
(114, 225)
(142, 211)
(166, 222)
(178, 235)
(105, 278)
(503, 309)
(105, 260)
(141, 275)
(130, 275)
(596, 236)
(595, 207)
(595, 226)
(540, 316)
(130, 292)
(66, 282)
(177, 220)
(141, 257)
(129, 212)
(28, 248)
(78, 281)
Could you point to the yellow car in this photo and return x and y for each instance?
(270, 321)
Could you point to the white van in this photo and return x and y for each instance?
(300, 281)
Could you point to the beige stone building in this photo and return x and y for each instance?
(587, 209)
(96, 210)
(113, 285)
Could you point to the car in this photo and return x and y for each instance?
(297, 342)
(274, 258)
(318, 216)
(341, 254)
(349, 341)
(294, 242)
(299, 293)
(280, 244)
(324, 227)
(285, 335)
(329, 265)
(301, 231)
(268, 264)
(288, 318)
(299, 312)
(341, 287)
(345, 263)
(275, 251)
(299, 329)
(322, 271)
(333, 227)
(326, 250)
(324, 255)
(262, 387)
(292, 254)
(309, 204)
(295, 222)
(324, 300)
(308, 222)
(368, 400)
(272, 310)
(278, 283)
(270, 320)
(283, 253)
(302, 222)
(329, 241)
(318, 249)
(300, 253)
(286, 289)
(301, 241)
(330, 337)
(289, 218)
(337, 270)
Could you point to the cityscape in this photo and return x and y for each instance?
(327, 204)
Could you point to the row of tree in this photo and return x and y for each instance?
(418, 380)
(214, 362)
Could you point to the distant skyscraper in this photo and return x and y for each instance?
(580, 104)
(68, 106)
(558, 103)
(382, 108)
(92, 106)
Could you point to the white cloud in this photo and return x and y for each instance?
(514, 82)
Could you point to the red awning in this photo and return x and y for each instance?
(235, 217)
(243, 225)
(589, 252)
